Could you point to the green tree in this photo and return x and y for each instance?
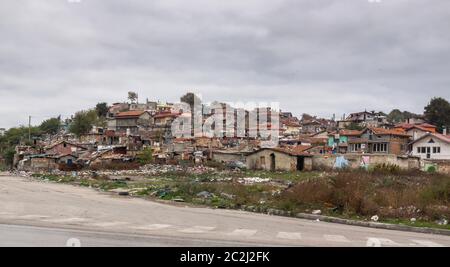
(51, 126)
(397, 116)
(437, 112)
(8, 155)
(354, 126)
(133, 97)
(190, 98)
(83, 121)
(101, 109)
(14, 137)
(145, 156)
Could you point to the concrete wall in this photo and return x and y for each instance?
(228, 157)
(60, 149)
(261, 160)
(38, 164)
(320, 162)
(445, 148)
(442, 166)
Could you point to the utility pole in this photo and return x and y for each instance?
(29, 128)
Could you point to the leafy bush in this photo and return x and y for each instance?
(145, 156)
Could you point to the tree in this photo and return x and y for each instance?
(354, 126)
(437, 112)
(397, 116)
(307, 117)
(14, 137)
(8, 155)
(145, 156)
(51, 126)
(102, 109)
(190, 98)
(83, 121)
(133, 97)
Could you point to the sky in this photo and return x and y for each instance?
(321, 57)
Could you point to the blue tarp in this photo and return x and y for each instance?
(341, 162)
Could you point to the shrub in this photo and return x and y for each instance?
(145, 156)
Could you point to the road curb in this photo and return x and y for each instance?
(323, 218)
(374, 224)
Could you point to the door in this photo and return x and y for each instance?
(300, 163)
(272, 162)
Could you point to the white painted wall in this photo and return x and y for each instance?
(416, 133)
(445, 148)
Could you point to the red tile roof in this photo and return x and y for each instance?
(293, 150)
(382, 131)
(350, 132)
(407, 126)
(130, 114)
(445, 138)
(165, 115)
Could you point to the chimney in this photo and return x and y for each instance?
(444, 132)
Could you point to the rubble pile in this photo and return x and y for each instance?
(253, 180)
(146, 170)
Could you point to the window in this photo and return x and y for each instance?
(380, 147)
(263, 160)
(418, 150)
(423, 149)
(355, 147)
(434, 150)
(431, 141)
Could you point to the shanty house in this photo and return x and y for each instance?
(129, 121)
(384, 141)
(63, 148)
(279, 159)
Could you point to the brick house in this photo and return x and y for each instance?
(63, 148)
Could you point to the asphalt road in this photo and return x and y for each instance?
(34, 213)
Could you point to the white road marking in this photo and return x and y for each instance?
(153, 227)
(243, 232)
(427, 243)
(379, 242)
(67, 220)
(336, 238)
(108, 224)
(289, 235)
(33, 216)
(197, 229)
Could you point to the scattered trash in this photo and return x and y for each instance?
(178, 200)
(120, 192)
(374, 218)
(205, 194)
(316, 212)
(253, 180)
(442, 222)
(228, 196)
(413, 220)
(237, 165)
(163, 192)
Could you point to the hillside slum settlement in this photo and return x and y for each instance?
(304, 144)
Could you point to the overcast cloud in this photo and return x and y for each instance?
(321, 57)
